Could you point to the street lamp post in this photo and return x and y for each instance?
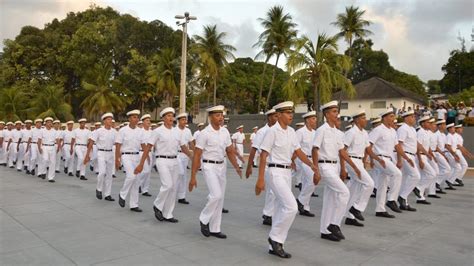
(182, 88)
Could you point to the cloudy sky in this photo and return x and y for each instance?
(417, 35)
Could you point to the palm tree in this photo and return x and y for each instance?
(213, 54)
(50, 101)
(101, 97)
(277, 38)
(13, 104)
(352, 26)
(320, 66)
(161, 74)
(267, 52)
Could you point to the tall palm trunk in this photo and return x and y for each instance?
(271, 83)
(214, 100)
(317, 101)
(260, 89)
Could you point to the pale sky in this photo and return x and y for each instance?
(417, 35)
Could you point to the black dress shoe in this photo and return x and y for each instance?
(300, 206)
(91, 168)
(32, 172)
(330, 237)
(205, 229)
(433, 196)
(171, 220)
(43, 176)
(158, 214)
(77, 173)
(423, 202)
(440, 191)
(19, 170)
(121, 202)
(314, 195)
(225, 210)
(267, 220)
(109, 198)
(384, 214)
(83, 178)
(146, 194)
(65, 170)
(140, 190)
(459, 182)
(417, 192)
(354, 222)
(298, 186)
(450, 185)
(114, 176)
(136, 209)
(219, 235)
(51, 181)
(277, 249)
(357, 214)
(57, 171)
(183, 201)
(27, 172)
(393, 206)
(335, 230)
(70, 174)
(98, 194)
(410, 209)
(306, 213)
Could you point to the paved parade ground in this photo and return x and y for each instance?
(63, 223)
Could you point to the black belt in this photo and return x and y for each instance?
(279, 166)
(77, 144)
(385, 156)
(130, 153)
(356, 157)
(179, 151)
(47, 144)
(326, 161)
(166, 157)
(410, 153)
(67, 143)
(33, 142)
(211, 161)
(104, 150)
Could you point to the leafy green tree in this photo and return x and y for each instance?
(458, 72)
(13, 104)
(49, 101)
(162, 74)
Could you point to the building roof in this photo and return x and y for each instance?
(377, 88)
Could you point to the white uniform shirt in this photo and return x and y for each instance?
(16, 135)
(67, 136)
(81, 135)
(130, 138)
(424, 138)
(280, 144)
(452, 140)
(238, 137)
(196, 134)
(305, 138)
(408, 136)
(329, 141)
(48, 137)
(433, 140)
(459, 139)
(259, 137)
(8, 135)
(213, 143)
(167, 141)
(441, 112)
(384, 140)
(104, 138)
(356, 141)
(252, 136)
(441, 140)
(35, 134)
(185, 134)
(25, 135)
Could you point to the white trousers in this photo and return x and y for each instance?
(21, 158)
(279, 181)
(166, 199)
(444, 170)
(68, 158)
(411, 177)
(48, 161)
(307, 185)
(131, 183)
(105, 164)
(463, 163)
(388, 175)
(81, 153)
(269, 206)
(12, 154)
(456, 168)
(428, 176)
(144, 176)
(215, 177)
(335, 198)
(35, 158)
(183, 161)
(240, 150)
(3, 155)
(58, 158)
(296, 174)
(360, 189)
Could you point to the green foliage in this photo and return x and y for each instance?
(12, 104)
(466, 95)
(458, 72)
(49, 101)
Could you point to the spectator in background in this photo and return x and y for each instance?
(427, 111)
(462, 112)
(451, 114)
(393, 108)
(441, 112)
(471, 113)
(418, 112)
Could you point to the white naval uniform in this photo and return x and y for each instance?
(443, 164)
(456, 168)
(252, 138)
(167, 142)
(384, 140)
(183, 161)
(59, 154)
(329, 142)
(15, 136)
(411, 174)
(305, 138)
(357, 140)
(213, 144)
(428, 173)
(23, 154)
(104, 140)
(130, 140)
(239, 145)
(81, 137)
(2, 148)
(144, 176)
(281, 144)
(269, 207)
(48, 146)
(463, 162)
(35, 159)
(66, 136)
